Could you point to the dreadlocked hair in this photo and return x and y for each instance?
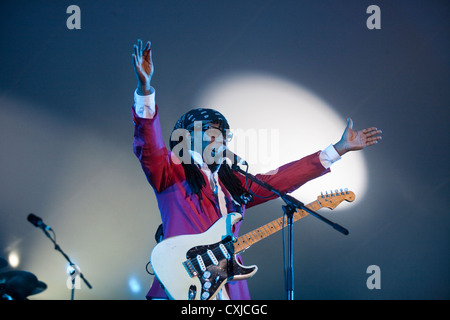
(233, 184)
(196, 182)
(194, 178)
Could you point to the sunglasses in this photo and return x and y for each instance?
(215, 132)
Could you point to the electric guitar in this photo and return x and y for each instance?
(196, 267)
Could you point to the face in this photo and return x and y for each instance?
(211, 142)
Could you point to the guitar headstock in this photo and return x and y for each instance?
(333, 199)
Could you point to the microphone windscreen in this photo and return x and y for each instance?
(34, 219)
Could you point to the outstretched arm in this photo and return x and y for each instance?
(143, 67)
(148, 144)
(352, 140)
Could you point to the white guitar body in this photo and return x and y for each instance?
(190, 271)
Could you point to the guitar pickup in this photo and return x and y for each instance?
(201, 263)
(212, 257)
(225, 252)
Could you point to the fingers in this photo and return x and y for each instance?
(136, 51)
(369, 136)
(370, 132)
(146, 54)
(142, 61)
(135, 61)
(140, 52)
(147, 46)
(371, 140)
(138, 48)
(367, 130)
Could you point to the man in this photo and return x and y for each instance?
(193, 184)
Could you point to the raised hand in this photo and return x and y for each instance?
(143, 67)
(356, 140)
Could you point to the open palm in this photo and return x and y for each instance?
(143, 64)
(356, 140)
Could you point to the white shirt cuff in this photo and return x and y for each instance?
(145, 105)
(328, 156)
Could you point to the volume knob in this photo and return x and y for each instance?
(207, 285)
(205, 295)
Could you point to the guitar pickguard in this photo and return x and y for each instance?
(214, 265)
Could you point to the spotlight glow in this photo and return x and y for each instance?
(13, 259)
(295, 123)
(134, 285)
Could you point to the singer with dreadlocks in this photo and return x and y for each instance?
(193, 184)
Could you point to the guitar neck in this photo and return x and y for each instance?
(252, 237)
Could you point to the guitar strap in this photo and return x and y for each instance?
(159, 235)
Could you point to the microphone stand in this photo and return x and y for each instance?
(73, 265)
(292, 205)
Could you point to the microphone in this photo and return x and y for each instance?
(37, 222)
(235, 159)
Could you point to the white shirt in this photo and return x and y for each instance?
(213, 178)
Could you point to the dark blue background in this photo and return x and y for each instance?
(78, 85)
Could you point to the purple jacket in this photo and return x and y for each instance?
(183, 213)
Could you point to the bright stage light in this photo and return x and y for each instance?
(281, 122)
(134, 285)
(13, 259)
